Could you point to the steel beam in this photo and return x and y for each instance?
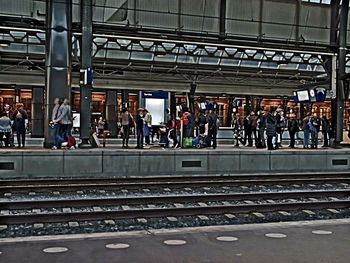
(86, 62)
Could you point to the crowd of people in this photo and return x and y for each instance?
(273, 123)
(262, 129)
(13, 121)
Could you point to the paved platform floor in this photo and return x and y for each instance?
(224, 147)
(304, 242)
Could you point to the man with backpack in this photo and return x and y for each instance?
(212, 120)
(187, 123)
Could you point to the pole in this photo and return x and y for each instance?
(86, 61)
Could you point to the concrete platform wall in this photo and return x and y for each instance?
(149, 163)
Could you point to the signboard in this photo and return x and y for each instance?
(155, 95)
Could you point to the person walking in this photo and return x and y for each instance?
(19, 117)
(139, 122)
(212, 120)
(271, 123)
(55, 127)
(127, 124)
(5, 128)
(325, 128)
(306, 128)
(293, 128)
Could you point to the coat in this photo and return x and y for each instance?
(271, 123)
(20, 123)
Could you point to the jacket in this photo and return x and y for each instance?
(271, 123)
(19, 123)
(64, 115)
(293, 126)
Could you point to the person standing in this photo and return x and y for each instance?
(236, 127)
(9, 113)
(64, 119)
(100, 126)
(139, 122)
(55, 127)
(248, 128)
(5, 128)
(261, 125)
(19, 117)
(314, 128)
(271, 124)
(147, 117)
(212, 120)
(306, 128)
(127, 123)
(186, 118)
(293, 128)
(325, 123)
(254, 120)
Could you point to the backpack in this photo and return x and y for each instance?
(71, 141)
(186, 118)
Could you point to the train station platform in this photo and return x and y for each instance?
(316, 241)
(118, 162)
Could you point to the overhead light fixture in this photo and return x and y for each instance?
(4, 43)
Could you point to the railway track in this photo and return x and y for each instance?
(70, 185)
(213, 204)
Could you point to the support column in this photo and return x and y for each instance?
(125, 98)
(58, 57)
(222, 24)
(191, 97)
(17, 94)
(229, 111)
(341, 83)
(111, 112)
(86, 61)
(173, 104)
(37, 113)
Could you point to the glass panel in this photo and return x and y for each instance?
(272, 65)
(187, 59)
(118, 54)
(146, 44)
(101, 53)
(166, 58)
(209, 60)
(229, 62)
(168, 46)
(142, 55)
(37, 49)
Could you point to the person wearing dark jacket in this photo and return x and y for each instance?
(261, 125)
(271, 123)
(19, 117)
(9, 113)
(212, 120)
(139, 123)
(326, 127)
(248, 129)
(293, 128)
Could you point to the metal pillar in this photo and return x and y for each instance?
(230, 110)
(37, 113)
(86, 61)
(191, 97)
(341, 72)
(222, 24)
(111, 112)
(125, 98)
(173, 105)
(58, 57)
(17, 94)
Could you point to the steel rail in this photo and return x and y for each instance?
(144, 200)
(110, 184)
(164, 212)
